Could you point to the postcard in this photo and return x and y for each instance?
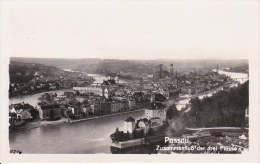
(130, 81)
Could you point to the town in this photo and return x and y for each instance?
(88, 98)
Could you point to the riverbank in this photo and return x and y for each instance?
(63, 120)
(36, 92)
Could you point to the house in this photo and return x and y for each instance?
(24, 115)
(77, 108)
(106, 107)
(132, 104)
(157, 110)
(22, 111)
(51, 112)
(142, 104)
(129, 125)
(125, 105)
(117, 106)
(95, 109)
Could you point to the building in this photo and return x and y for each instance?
(51, 112)
(129, 125)
(116, 106)
(22, 111)
(142, 104)
(160, 73)
(76, 108)
(86, 109)
(95, 109)
(106, 107)
(125, 105)
(157, 110)
(93, 88)
(132, 104)
(24, 115)
(171, 71)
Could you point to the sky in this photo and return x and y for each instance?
(132, 30)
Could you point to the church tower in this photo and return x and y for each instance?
(171, 70)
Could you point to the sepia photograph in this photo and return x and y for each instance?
(130, 80)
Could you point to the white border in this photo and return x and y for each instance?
(5, 156)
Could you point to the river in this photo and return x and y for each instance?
(88, 137)
(92, 136)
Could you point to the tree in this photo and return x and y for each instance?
(138, 134)
(117, 136)
(224, 108)
(126, 136)
(150, 132)
(34, 113)
(172, 112)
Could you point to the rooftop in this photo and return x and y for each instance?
(130, 119)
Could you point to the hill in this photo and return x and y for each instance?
(21, 72)
(224, 108)
(132, 67)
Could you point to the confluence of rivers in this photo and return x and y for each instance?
(87, 137)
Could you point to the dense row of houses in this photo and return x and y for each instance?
(52, 106)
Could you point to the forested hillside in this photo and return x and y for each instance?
(20, 72)
(224, 108)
